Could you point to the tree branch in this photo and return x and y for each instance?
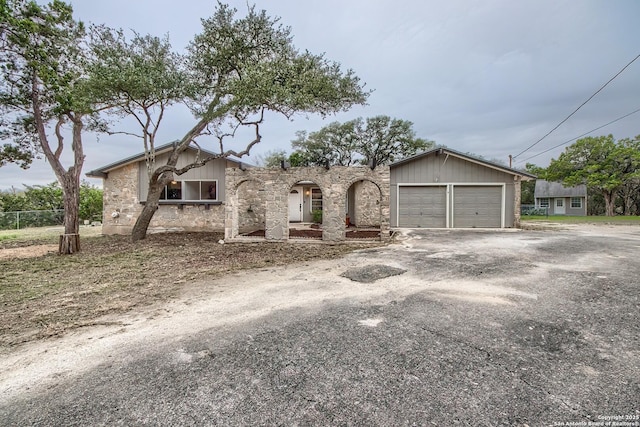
(59, 137)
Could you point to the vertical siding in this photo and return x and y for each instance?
(448, 169)
(214, 170)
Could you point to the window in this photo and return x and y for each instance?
(316, 199)
(559, 203)
(190, 191)
(544, 203)
(576, 202)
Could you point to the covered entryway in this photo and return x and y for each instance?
(323, 192)
(423, 206)
(477, 206)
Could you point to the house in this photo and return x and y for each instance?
(192, 202)
(561, 200)
(444, 188)
(441, 188)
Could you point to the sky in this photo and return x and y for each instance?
(487, 77)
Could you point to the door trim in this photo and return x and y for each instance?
(299, 189)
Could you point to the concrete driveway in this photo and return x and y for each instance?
(441, 328)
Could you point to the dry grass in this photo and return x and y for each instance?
(46, 295)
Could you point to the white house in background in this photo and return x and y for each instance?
(561, 200)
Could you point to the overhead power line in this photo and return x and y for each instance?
(580, 136)
(576, 110)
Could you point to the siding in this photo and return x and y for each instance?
(214, 170)
(449, 169)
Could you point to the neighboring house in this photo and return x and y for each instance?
(443, 188)
(561, 200)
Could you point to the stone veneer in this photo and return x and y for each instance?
(366, 204)
(122, 207)
(275, 184)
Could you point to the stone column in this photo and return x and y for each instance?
(517, 200)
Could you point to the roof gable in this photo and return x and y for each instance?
(545, 189)
(442, 150)
(165, 148)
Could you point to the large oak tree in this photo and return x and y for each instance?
(378, 140)
(42, 95)
(602, 163)
(234, 71)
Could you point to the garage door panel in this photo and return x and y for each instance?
(477, 206)
(422, 206)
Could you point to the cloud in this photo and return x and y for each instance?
(489, 77)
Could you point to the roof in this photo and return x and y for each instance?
(556, 189)
(443, 150)
(102, 171)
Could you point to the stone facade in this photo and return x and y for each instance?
(334, 183)
(364, 209)
(122, 207)
(256, 199)
(251, 206)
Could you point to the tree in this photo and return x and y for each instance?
(44, 197)
(377, 140)
(334, 144)
(528, 187)
(234, 71)
(629, 192)
(41, 91)
(271, 159)
(384, 140)
(602, 163)
(90, 202)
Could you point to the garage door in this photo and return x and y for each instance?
(477, 206)
(422, 206)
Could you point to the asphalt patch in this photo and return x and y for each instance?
(371, 273)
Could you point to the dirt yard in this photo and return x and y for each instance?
(44, 295)
(441, 327)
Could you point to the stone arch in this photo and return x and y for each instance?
(251, 207)
(333, 183)
(245, 208)
(305, 209)
(367, 203)
(363, 201)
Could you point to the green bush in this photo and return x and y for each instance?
(317, 216)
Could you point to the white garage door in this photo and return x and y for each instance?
(477, 206)
(422, 206)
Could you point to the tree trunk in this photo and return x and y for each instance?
(139, 231)
(610, 202)
(70, 240)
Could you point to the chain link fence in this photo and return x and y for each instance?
(532, 210)
(27, 219)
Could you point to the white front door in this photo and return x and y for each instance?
(295, 204)
(559, 210)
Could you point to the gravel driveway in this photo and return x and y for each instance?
(440, 328)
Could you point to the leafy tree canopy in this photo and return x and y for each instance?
(376, 141)
(602, 163)
(234, 71)
(44, 93)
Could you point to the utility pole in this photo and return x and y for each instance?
(510, 160)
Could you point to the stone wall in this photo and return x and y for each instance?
(334, 184)
(366, 204)
(122, 207)
(251, 206)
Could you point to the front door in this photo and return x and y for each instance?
(559, 210)
(295, 204)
